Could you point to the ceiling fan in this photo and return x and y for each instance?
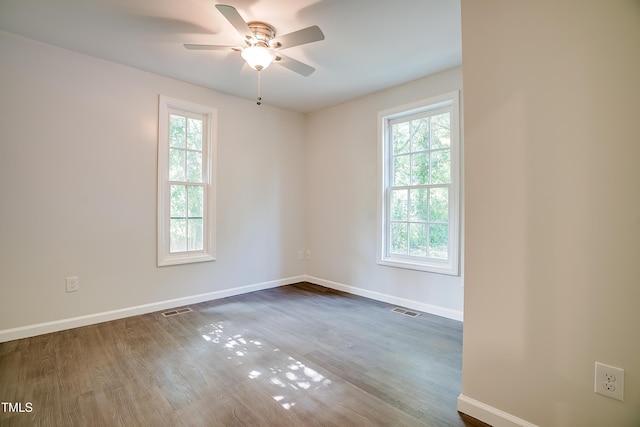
(262, 45)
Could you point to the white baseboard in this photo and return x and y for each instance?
(489, 414)
(90, 319)
(415, 305)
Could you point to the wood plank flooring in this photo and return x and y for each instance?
(299, 355)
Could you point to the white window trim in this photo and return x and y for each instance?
(451, 265)
(165, 257)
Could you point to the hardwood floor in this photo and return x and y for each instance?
(299, 355)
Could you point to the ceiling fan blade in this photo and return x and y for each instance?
(294, 65)
(236, 20)
(209, 47)
(296, 38)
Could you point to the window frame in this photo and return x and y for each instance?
(451, 102)
(165, 257)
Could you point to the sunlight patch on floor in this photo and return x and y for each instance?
(287, 374)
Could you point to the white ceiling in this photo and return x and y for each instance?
(369, 45)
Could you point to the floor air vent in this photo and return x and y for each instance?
(176, 312)
(405, 312)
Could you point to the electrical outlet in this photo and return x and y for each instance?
(308, 254)
(609, 381)
(72, 284)
(300, 255)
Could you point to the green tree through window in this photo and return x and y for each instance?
(421, 153)
(187, 184)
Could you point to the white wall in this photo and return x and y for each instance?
(552, 104)
(78, 139)
(342, 202)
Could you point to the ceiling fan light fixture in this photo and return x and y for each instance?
(258, 57)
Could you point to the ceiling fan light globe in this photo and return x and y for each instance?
(258, 57)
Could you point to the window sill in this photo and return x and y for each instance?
(443, 267)
(185, 259)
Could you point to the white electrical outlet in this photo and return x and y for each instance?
(300, 255)
(308, 254)
(609, 381)
(72, 284)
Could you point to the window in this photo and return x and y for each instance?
(186, 185)
(419, 191)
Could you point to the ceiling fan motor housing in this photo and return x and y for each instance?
(263, 32)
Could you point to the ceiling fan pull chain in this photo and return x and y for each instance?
(259, 97)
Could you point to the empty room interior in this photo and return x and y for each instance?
(320, 212)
